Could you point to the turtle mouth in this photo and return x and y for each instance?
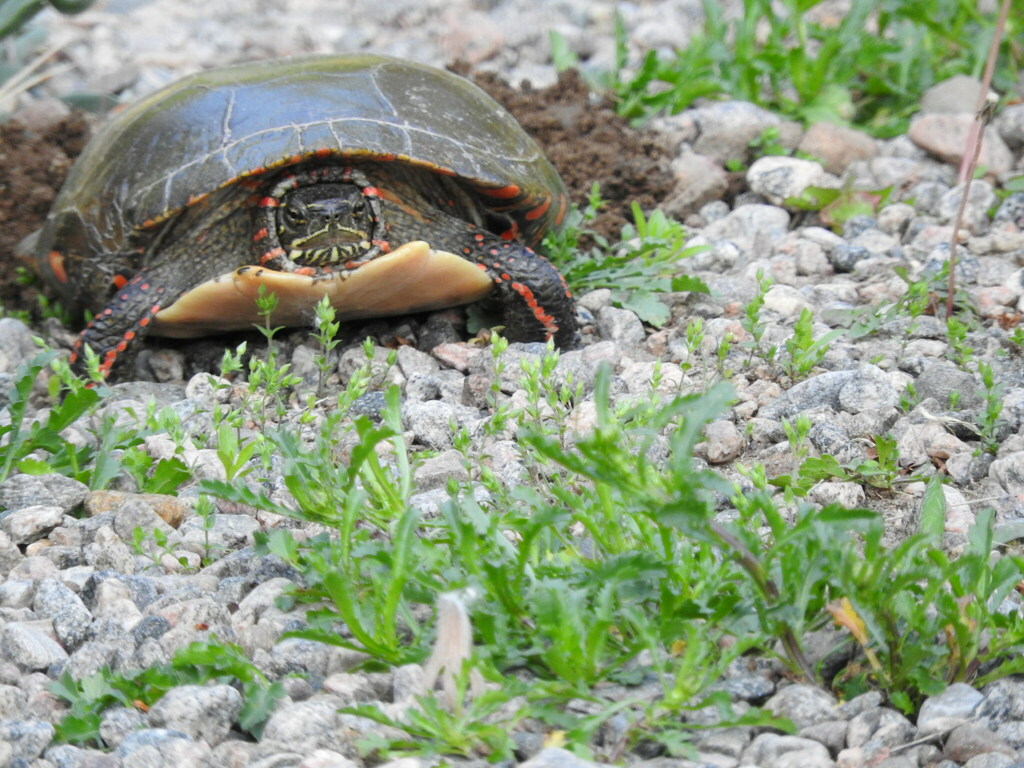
(329, 245)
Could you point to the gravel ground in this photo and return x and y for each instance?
(76, 597)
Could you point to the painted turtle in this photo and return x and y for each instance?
(389, 186)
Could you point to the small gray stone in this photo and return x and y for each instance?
(956, 94)
(70, 617)
(980, 200)
(770, 749)
(29, 647)
(157, 744)
(972, 739)
(621, 326)
(27, 739)
(437, 471)
(869, 389)
(945, 135)
(312, 723)
(723, 442)
(21, 491)
(430, 422)
(727, 128)
(881, 724)
(941, 379)
(699, 179)
(749, 223)
(13, 701)
(412, 361)
(202, 712)
(116, 723)
(844, 257)
(803, 704)
(1010, 124)
(992, 760)
(948, 709)
(553, 757)
(1003, 702)
(849, 495)
(1008, 471)
(31, 523)
(831, 733)
(778, 178)
(16, 345)
(227, 533)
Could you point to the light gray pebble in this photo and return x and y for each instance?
(19, 491)
(980, 200)
(553, 757)
(202, 712)
(880, 724)
(437, 471)
(971, 739)
(777, 178)
(17, 593)
(29, 646)
(621, 326)
(67, 756)
(228, 532)
(13, 701)
(1003, 702)
(1008, 471)
(992, 760)
(116, 723)
(70, 617)
(948, 709)
(430, 422)
(312, 723)
(27, 739)
(16, 345)
(746, 224)
(723, 442)
(786, 752)
(849, 495)
(160, 748)
(803, 704)
(727, 128)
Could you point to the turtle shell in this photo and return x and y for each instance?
(216, 128)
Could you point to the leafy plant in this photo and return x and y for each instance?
(644, 263)
(803, 351)
(868, 69)
(198, 663)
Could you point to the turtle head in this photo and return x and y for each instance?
(320, 224)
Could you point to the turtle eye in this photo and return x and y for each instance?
(358, 208)
(294, 215)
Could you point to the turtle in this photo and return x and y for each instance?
(389, 186)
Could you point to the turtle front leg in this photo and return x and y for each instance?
(534, 298)
(117, 328)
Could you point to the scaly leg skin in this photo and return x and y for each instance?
(532, 294)
(192, 256)
(117, 328)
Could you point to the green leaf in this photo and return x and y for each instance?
(648, 307)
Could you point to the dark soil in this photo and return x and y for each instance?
(582, 136)
(588, 142)
(32, 168)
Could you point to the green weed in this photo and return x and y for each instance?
(644, 263)
(195, 664)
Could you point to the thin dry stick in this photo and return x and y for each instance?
(983, 111)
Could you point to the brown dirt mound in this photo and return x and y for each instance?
(587, 142)
(32, 168)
